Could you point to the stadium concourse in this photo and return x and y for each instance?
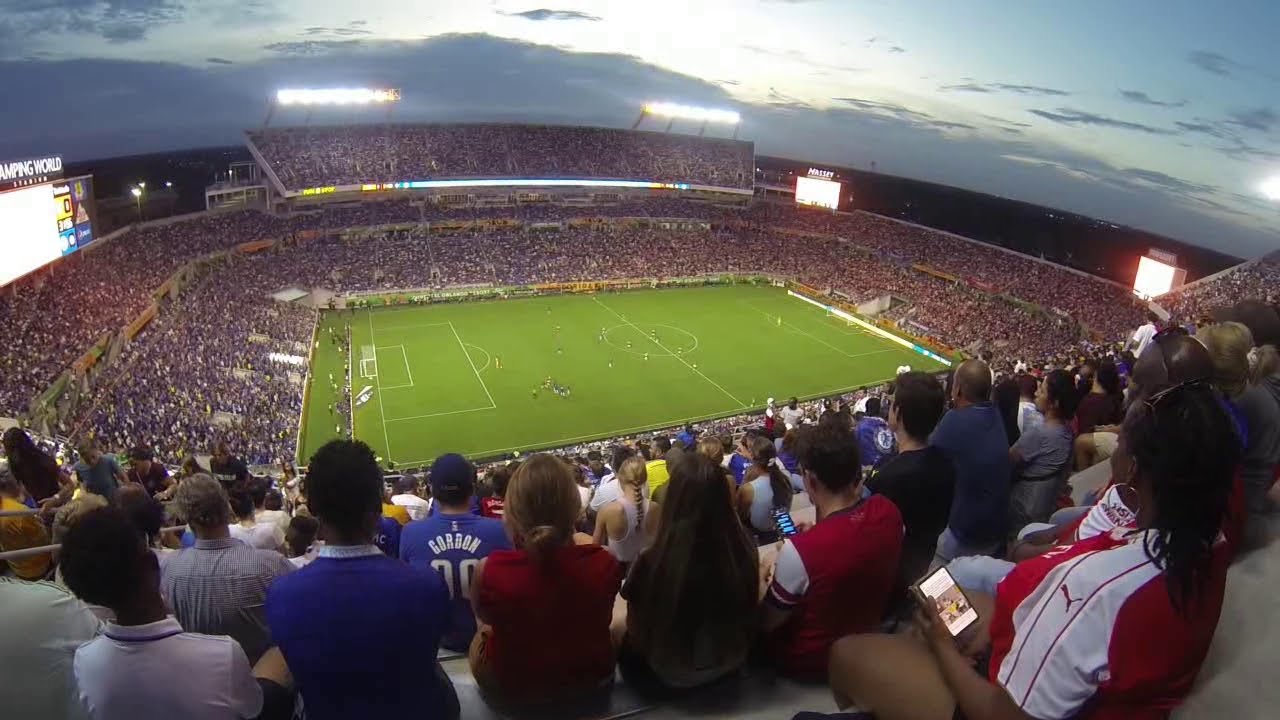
(1088, 487)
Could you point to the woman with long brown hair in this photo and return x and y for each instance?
(693, 595)
(544, 608)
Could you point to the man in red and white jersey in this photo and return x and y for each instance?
(837, 577)
(1110, 627)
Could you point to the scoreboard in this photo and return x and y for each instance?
(819, 188)
(42, 222)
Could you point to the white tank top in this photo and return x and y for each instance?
(762, 504)
(628, 548)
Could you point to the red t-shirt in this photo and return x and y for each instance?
(1089, 631)
(837, 579)
(491, 507)
(550, 623)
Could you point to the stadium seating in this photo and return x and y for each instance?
(350, 155)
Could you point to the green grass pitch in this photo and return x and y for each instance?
(460, 377)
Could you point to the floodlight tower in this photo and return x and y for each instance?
(311, 98)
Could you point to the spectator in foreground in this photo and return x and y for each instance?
(36, 470)
(656, 469)
(359, 630)
(147, 516)
(246, 529)
(406, 496)
(98, 473)
(144, 665)
(452, 542)
(208, 584)
(919, 479)
(20, 532)
(391, 510)
(626, 525)
(544, 608)
(300, 540)
(1103, 404)
(875, 439)
(268, 505)
(144, 470)
(1260, 405)
(972, 437)
(837, 577)
(1005, 395)
(44, 624)
(1028, 414)
(1121, 634)
(491, 507)
(228, 469)
(1043, 453)
(767, 486)
(692, 596)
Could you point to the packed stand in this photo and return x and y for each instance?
(355, 154)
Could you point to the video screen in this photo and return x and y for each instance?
(1154, 278)
(41, 223)
(822, 193)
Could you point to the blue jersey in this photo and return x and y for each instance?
(875, 440)
(388, 538)
(454, 545)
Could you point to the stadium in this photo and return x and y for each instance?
(468, 314)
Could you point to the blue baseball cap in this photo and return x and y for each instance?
(452, 473)
(686, 439)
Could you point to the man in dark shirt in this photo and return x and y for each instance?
(227, 468)
(971, 435)
(919, 479)
(144, 470)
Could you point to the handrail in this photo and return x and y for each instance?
(28, 552)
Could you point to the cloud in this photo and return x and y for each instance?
(799, 57)
(966, 87)
(23, 23)
(1205, 127)
(897, 49)
(544, 14)
(1076, 118)
(342, 31)
(986, 88)
(219, 61)
(1212, 62)
(1137, 96)
(1262, 119)
(1168, 182)
(310, 47)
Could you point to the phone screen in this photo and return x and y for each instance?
(949, 601)
(783, 520)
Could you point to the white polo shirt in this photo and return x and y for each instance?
(158, 671)
(414, 505)
(44, 624)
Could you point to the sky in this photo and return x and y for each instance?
(1160, 114)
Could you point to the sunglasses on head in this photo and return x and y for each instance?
(1154, 400)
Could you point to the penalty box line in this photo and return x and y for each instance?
(408, 370)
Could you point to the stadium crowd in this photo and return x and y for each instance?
(311, 157)
(667, 557)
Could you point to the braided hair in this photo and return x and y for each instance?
(1185, 446)
(633, 475)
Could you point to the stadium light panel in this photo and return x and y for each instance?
(336, 96)
(689, 112)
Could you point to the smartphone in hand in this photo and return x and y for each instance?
(782, 520)
(941, 592)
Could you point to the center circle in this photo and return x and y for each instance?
(647, 346)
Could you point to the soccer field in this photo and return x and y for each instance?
(460, 377)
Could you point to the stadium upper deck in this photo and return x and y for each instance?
(313, 157)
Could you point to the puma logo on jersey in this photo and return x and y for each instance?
(1067, 594)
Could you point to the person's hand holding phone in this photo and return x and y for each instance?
(930, 624)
